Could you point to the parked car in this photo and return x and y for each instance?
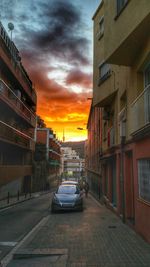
(67, 197)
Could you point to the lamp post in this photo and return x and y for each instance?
(80, 128)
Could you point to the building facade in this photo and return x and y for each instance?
(72, 164)
(93, 151)
(50, 164)
(17, 120)
(121, 89)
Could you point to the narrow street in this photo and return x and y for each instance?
(92, 238)
(18, 220)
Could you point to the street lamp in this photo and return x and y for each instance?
(80, 128)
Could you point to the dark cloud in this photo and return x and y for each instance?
(59, 34)
(48, 30)
(79, 78)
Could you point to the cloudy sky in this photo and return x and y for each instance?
(54, 38)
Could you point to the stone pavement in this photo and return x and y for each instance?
(92, 238)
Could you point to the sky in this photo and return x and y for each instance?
(55, 38)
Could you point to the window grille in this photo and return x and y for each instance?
(144, 179)
(101, 27)
(104, 70)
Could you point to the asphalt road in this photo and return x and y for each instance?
(17, 221)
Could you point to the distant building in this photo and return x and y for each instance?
(72, 164)
(78, 146)
(17, 120)
(47, 158)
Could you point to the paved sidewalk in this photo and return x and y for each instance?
(14, 200)
(92, 238)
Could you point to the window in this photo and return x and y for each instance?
(144, 179)
(101, 28)
(120, 5)
(104, 72)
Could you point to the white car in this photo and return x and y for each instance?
(69, 182)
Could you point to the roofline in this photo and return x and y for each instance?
(99, 7)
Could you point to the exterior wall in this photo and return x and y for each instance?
(122, 95)
(135, 18)
(16, 173)
(93, 168)
(142, 208)
(41, 137)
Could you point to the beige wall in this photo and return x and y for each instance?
(131, 24)
(124, 80)
(98, 52)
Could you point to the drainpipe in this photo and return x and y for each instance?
(122, 136)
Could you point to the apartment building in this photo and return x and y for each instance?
(121, 89)
(49, 168)
(72, 164)
(17, 120)
(93, 151)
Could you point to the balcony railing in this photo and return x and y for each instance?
(14, 101)
(10, 45)
(10, 134)
(16, 64)
(140, 110)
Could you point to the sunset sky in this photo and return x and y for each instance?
(54, 38)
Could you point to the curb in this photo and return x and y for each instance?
(15, 203)
(21, 201)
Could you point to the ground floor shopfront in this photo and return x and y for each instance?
(95, 183)
(124, 184)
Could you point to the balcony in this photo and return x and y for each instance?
(14, 136)
(106, 92)
(11, 98)
(140, 113)
(123, 46)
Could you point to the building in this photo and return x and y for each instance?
(17, 120)
(48, 158)
(72, 164)
(121, 90)
(93, 151)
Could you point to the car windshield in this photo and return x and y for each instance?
(67, 190)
